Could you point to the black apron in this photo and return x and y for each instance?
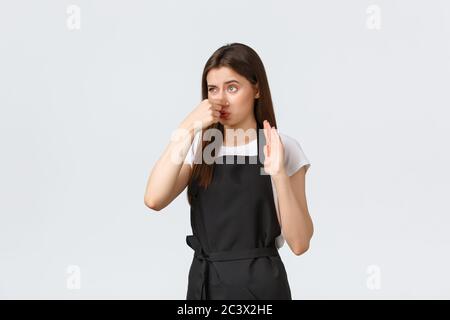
(234, 225)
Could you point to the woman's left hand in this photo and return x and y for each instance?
(273, 152)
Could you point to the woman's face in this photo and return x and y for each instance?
(227, 86)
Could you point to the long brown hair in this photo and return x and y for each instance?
(246, 62)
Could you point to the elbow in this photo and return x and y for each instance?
(300, 248)
(152, 204)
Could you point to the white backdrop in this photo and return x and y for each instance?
(90, 92)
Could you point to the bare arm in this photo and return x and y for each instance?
(169, 178)
(295, 221)
(297, 225)
(170, 175)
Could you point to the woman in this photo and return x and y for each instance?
(245, 198)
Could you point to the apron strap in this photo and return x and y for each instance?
(208, 258)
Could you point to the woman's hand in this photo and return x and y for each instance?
(204, 115)
(273, 152)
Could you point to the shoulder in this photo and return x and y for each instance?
(295, 157)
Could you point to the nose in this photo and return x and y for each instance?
(225, 104)
(221, 100)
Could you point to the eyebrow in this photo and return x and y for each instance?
(227, 82)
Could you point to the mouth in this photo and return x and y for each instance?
(224, 115)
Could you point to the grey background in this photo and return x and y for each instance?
(86, 113)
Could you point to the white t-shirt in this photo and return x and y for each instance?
(294, 159)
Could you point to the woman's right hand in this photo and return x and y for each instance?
(170, 175)
(205, 114)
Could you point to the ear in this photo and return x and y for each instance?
(256, 90)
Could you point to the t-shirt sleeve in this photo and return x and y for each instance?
(294, 157)
(190, 155)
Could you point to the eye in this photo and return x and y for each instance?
(210, 89)
(232, 87)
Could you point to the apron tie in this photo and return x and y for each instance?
(208, 257)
